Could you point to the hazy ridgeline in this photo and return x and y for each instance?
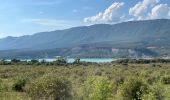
(126, 79)
(148, 38)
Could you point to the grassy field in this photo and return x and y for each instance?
(109, 81)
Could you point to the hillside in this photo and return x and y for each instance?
(137, 38)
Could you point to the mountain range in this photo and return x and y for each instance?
(148, 38)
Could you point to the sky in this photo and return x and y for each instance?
(26, 17)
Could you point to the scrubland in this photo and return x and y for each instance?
(109, 81)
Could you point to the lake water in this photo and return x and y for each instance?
(96, 60)
(71, 60)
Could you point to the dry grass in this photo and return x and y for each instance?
(77, 75)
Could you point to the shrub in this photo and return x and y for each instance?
(15, 61)
(19, 85)
(77, 61)
(119, 80)
(61, 61)
(97, 88)
(4, 62)
(34, 61)
(98, 72)
(165, 80)
(133, 89)
(50, 88)
(3, 87)
(151, 79)
(154, 93)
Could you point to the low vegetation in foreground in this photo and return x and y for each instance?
(120, 80)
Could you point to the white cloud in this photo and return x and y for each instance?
(140, 9)
(160, 11)
(108, 15)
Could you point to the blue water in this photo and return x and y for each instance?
(96, 60)
(71, 60)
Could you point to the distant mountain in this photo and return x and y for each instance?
(133, 38)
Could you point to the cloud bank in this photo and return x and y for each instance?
(108, 15)
(142, 10)
(160, 11)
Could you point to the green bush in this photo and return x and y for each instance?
(97, 88)
(133, 89)
(77, 61)
(119, 80)
(165, 80)
(154, 93)
(50, 88)
(15, 61)
(4, 62)
(19, 85)
(60, 61)
(3, 87)
(98, 72)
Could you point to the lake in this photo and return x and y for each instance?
(96, 60)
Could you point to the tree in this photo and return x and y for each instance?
(60, 61)
(15, 61)
(77, 61)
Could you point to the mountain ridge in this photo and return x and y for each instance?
(126, 35)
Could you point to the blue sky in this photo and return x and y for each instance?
(25, 17)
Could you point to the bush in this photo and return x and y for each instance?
(151, 79)
(19, 85)
(77, 61)
(4, 62)
(165, 80)
(98, 72)
(119, 80)
(32, 62)
(154, 93)
(133, 89)
(50, 88)
(15, 61)
(3, 87)
(60, 61)
(97, 88)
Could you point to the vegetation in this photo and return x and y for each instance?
(165, 80)
(133, 89)
(142, 61)
(41, 80)
(19, 85)
(97, 88)
(50, 88)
